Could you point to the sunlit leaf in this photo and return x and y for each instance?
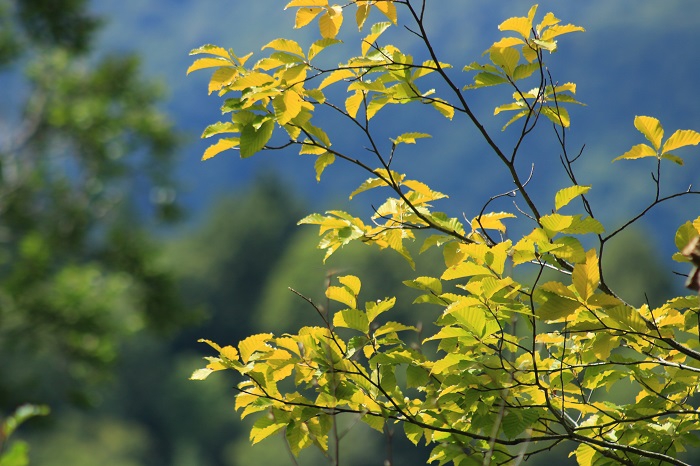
(566, 195)
(322, 162)
(330, 22)
(305, 16)
(681, 138)
(651, 129)
(254, 139)
(220, 146)
(210, 62)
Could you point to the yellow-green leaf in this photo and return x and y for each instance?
(320, 45)
(681, 138)
(201, 374)
(566, 195)
(374, 309)
(285, 45)
(222, 77)
(553, 306)
(376, 30)
(211, 49)
(352, 318)
(343, 295)
(443, 107)
(651, 128)
(491, 221)
(586, 275)
(322, 162)
(209, 62)
(351, 282)
(464, 269)
(409, 138)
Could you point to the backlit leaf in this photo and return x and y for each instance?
(586, 276)
(521, 25)
(254, 139)
(388, 8)
(553, 307)
(376, 31)
(330, 22)
(252, 344)
(285, 45)
(352, 318)
(363, 9)
(220, 146)
(352, 103)
(343, 295)
(410, 138)
(566, 195)
(637, 152)
(211, 49)
(222, 77)
(651, 128)
(681, 138)
(320, 45)
(444, 108)
(209, 62)
(374, 309)
(305, 16)
(322, 162)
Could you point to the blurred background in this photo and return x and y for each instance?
(119, 248)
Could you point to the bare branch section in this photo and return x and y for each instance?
(516, 366)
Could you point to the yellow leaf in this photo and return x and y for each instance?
(351, 282)
(681, 138)
(211, 49)
(220, 146)
(586, 275)
(557, 30)
(464, 269)
(209, 62)
(548, 20)
(321, 44)
(336, 76)
(322, 162)
(252, 79)
(566, 195)
(229, 352)
(252, 344)
(305, 16)
(343, 295)
(651, 129)
(352, 318)
(521, 25)
(285, 45)
(222, 77)
(201, 374)
(306, 3)
(388, 8)
(361, 14)
(443, 107)
(330, 22)
(637, 152)
(507, 58)
(376, 31)
(352, 103)
(491, 221)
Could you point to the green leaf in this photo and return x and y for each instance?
(554, 307)
(254, 139)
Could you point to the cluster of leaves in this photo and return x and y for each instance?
(17, 453)
(515, 366)
(76, 276)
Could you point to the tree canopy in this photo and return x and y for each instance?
(529, 339)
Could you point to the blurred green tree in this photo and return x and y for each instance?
(84, 157)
